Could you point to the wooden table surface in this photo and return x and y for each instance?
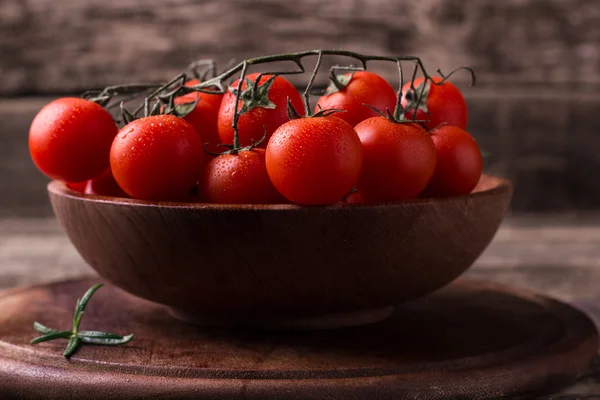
(558, 255)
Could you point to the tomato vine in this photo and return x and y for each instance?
(160, 98)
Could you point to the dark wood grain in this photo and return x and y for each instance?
(470, 340)
(255, 265)
(69, 45)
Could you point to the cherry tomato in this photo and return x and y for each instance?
(70, 139)
(204, 116)
(240, 178)
(439, 103)
(104, 185)
(157, 158)
(212, 98)
(399, 160)
(459, 162)
(77, 186)
(355, 197)
(315, 160)
(263, 108)
(362, 87)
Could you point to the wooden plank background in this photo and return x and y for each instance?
(51, 46)
(534, 110)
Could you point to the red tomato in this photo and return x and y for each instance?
(70, 139)
(264, 108)
(399, 160)
(77, 186)
(104, 185)
(240, 178)
(157, 158)
(204, 117)
(355, 198)
(362, 87)
(439, 104)
(314, 160)
(459, 162)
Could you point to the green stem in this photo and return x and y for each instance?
(180, 78)
(218, 81)
(398, 109)
(236, 115)
(217, 84)
(308, 111)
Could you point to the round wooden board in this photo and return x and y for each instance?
(470, 340)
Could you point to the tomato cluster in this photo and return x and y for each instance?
(352, 149)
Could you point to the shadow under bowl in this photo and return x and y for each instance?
(281, 266)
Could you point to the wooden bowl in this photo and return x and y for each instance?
(281, 266)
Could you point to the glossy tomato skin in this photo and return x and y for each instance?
(459, 162)
(104, 185)
(354, 198)
(445, 104)
(399, 160)
(70, 139)
(314, 161)
(252, 124)
(364, 88)
(204, 116)
(157, 158)
(240, 179)
(77, 186)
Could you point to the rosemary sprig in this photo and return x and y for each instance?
(77, 337)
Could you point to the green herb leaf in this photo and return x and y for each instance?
(72, 346)
(97, 334)
(82, 304)
(88, 295)
(77, 318)
(41, 328)
(107, 341)
(52, 336)
(76, 337)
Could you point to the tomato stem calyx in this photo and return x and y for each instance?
(415, 101)
(235, 149)
(392, 116)
(338, 82)
(293, 114)
(255, 94)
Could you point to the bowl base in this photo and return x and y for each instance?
(308, 323)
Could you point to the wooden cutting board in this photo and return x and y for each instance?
(471, 340)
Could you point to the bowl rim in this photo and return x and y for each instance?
(495, 186)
